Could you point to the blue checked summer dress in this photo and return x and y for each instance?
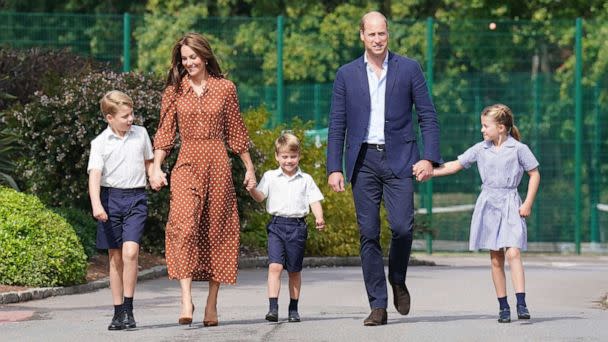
(496, 222)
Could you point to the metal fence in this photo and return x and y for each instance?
(555, 86)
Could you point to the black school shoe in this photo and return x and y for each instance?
(118, 321)
(293, 317)
(129, 320)
(272, 316)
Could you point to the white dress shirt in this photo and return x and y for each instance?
(377, 92)
(121, 160)
(289, 196)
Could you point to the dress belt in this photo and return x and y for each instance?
(378, 147)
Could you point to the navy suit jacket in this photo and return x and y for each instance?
(350, 114)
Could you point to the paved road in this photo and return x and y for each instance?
(451, 302)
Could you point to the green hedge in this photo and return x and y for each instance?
(37, 247)
(84, 226)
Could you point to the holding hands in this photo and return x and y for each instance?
(250, 182)
(423, 170)
(158, 179)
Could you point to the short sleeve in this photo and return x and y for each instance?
(148, 152)
(263, 185)
(526, 158)
(469, 156)
(313, 194)
(164, 139)
(95, 157)
(237, 136)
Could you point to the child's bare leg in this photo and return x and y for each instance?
(498, 272)
(274, 279)
(116, 272)
(517, 269)
(130, 256)
(295, 283)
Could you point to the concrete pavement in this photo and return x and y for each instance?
(453, 301)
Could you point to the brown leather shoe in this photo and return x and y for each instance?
(401, 298)
(376, 317)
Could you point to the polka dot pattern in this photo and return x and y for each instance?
(202, 233)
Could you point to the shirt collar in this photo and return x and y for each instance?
(384, 63)
(186, 86)
(280, 173)
(510, 142)
(111, 133)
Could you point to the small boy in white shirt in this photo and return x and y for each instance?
(119, 159)
(289, 193)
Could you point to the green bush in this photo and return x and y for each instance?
(37, 246)
(23, 72)
(84, 226)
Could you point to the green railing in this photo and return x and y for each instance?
(556, 87)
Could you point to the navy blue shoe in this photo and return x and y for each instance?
(522, 312)
(504, 315)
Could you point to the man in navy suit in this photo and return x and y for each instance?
(371, 121)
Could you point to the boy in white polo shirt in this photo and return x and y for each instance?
(119, 158)
(289, 193)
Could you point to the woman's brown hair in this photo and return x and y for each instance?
(201, 47)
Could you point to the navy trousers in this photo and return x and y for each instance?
(372, 182)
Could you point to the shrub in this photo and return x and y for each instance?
(84, 226)
(25, 71)
(37, 246)
(9, 149)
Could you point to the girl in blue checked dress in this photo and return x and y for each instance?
(498, 223)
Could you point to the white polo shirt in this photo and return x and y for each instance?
(121, 160)
(289, 196)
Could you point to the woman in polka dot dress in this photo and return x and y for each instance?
(202, 233)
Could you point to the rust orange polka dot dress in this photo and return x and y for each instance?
(202, 233)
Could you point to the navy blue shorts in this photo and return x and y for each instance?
(286, 242)
(127, 210)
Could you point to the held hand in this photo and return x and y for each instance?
(336, 181)
(422, 170)
(250, 182)
(157, 180)
(525, 210)
(99, 213)
(320, 224)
